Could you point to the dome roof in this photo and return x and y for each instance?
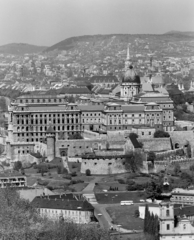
(131, 76)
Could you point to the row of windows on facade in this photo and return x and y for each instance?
(42, 100)
(183, 198)
(86, 114)
(32, 121)
(76, 121)
(168, 226)
(47, 115)
(66, 212)
(78, 127)
(26, 129)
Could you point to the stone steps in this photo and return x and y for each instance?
(90, 197)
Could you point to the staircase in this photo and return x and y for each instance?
(90, 197)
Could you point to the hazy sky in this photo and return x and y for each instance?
(46, 22)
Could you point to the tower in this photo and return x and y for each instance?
(166, 218)
(50, 137)
(9, 141)
(130, 85)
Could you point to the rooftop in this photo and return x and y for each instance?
(57, 203)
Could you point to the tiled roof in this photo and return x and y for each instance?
(44, 202)
(134, 141)
(180, 210)
(11, 174)
(91, 107)
(133, 108)
(74, 90)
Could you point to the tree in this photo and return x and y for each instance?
(20, 221)
(191, 168)
(153, 190)
(136, 213)
(161, 134)
(132, 134)
(18, 218)
(42, 168)
(177, 169)
(146, 219)
(189, 150)
(88, 172)
(17, 165)
(151, 156)
(133, 161)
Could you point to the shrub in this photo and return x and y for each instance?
(161, 134)
(131, 187)
(17, 165)
(73, 174)
(5, 164)
(72, 182)
(59, 169)
(121, 181)
(88, 172)
(130, 182)
(67, 176)
(136, 213)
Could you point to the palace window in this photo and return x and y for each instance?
(168, 227)
(167, 213)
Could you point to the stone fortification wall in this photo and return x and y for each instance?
(156, 144)
(182, 138)
(107, 166)
(171, 154)
(78, 147)
(109, 153)
(103, 166)
(184, 164)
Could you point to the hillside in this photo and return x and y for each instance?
(95, 47)
(20, 48)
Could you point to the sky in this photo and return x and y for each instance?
(47, 22)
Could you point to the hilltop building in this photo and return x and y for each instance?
(44, 122)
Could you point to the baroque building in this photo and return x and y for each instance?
(30, 117)
(131, 83)
(171, 229)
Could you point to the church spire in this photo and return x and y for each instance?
(128, 53)
(128, 62)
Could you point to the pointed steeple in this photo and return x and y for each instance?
(128, 62)
(128, 53)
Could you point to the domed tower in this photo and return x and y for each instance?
(131, 83)
(50, 137)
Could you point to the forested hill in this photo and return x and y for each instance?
(117, 41)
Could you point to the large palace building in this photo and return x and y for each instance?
(30, 116)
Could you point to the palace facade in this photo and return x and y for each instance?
(31, 116)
